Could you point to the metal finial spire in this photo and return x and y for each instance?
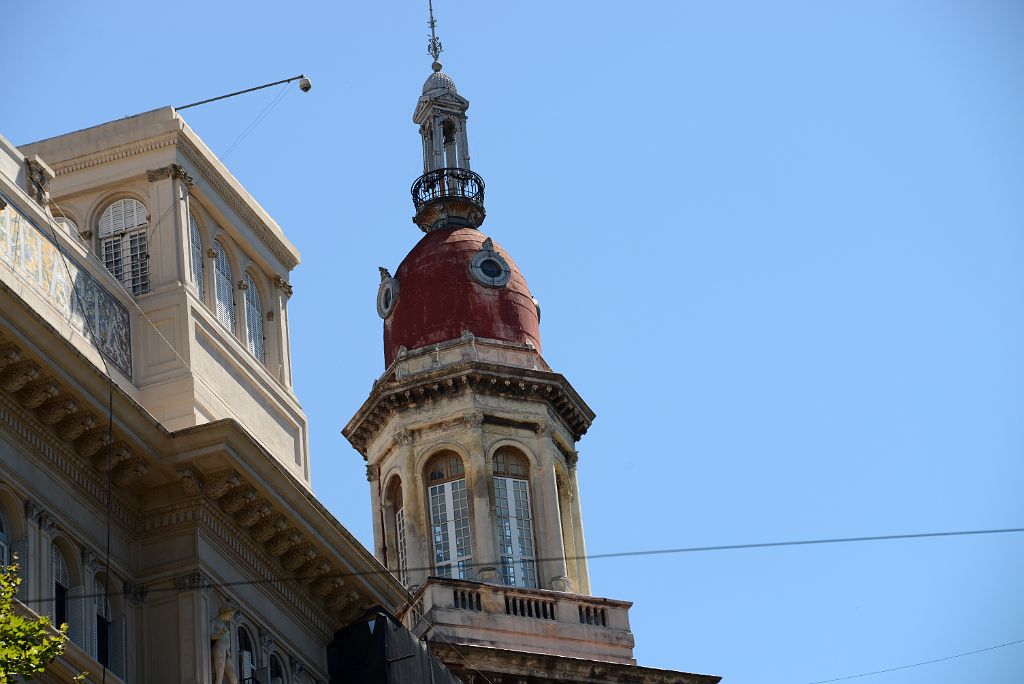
(434, 47)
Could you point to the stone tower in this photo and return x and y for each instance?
(469, 436)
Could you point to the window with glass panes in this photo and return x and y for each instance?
(253, 318)
(403, 557)
(246, 656)
(124, 243)
(514, 519)
(449, 516)
(196, 243)
(223, 288)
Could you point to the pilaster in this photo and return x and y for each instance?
(552, 570)
(481, 487)
(413, 500)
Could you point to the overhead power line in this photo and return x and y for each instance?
(924, 662)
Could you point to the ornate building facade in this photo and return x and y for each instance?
(154, 467)
(470, 442)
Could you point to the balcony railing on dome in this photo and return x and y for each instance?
(450, 182)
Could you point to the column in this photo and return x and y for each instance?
(416, 520)
(481, 490)
(577, 526)
(552, 571)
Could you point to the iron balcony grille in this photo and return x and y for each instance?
(451, 182)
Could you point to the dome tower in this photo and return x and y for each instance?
(469, 436)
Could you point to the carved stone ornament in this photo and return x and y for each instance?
(111, 458)
(36, 392)
(281, 542)
(129, 471)
(33, 510)
(296, 667)
(135, 593)
(92, 441)
(57, 408)
(8, 355)
(170, 171)
(474, 421)
(74, 424)
(372, 473)
(236, 499)
(404, 437)
(282, 284)
(38, 179)
(252, 513)
(196, 580)
(242, 285)
(47, 525)
(218, 484)
(266, 528)
(189, 479)
(266, 640)
(91, 560)
(572, 458)
(17, 375)
(297, 556)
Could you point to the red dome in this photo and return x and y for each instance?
(439, 297)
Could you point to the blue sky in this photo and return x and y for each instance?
(778, 250)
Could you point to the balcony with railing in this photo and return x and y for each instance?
(529, 620)
(449, 195)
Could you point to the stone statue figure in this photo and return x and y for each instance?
(220, 645)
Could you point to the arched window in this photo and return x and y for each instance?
(197, 256)
(276, 670)
(449, 516)
(108, 638)
(253, 318)
(451, 144)
(223, 290)
(514, 519)
(61, 586)
(124, 243)
(246, 656)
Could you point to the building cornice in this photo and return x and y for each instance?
(392, 395)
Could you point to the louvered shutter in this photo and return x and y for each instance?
(253, 318)
(197, 256)
(76, 618)
(245, 660)
(223, 288)
(117, 643)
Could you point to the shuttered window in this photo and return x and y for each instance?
(124, 244)
(403, 554)
(253, 318)
(223, 288)
(104, 628)
(5, 543)
(61, 584)
(197, 256)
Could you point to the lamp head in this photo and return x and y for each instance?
(305, 85)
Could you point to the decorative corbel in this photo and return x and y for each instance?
(283, 285)
(372, 473)
(135, 593)
(38, 179)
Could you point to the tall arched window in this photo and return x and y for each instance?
(197, 256)
(124, 243)
(514, 519)
(61, 585)
(253, 318)
(449, 516)
(246, 656)
(108, 637)
(223, 288)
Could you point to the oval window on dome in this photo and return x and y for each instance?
(387, 294)
(490, 268)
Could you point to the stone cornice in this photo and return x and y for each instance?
(390, 396)
(540, 667)
(215, 177)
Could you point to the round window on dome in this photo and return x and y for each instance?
(490, 268)
(387, 295)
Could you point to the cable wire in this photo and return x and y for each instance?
(923, 662)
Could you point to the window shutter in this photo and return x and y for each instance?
(225, 296)
(253, 318)
(117, 641)
(245, 658)
(76, 603)
(197, 256)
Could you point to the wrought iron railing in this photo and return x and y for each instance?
(452, 182)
